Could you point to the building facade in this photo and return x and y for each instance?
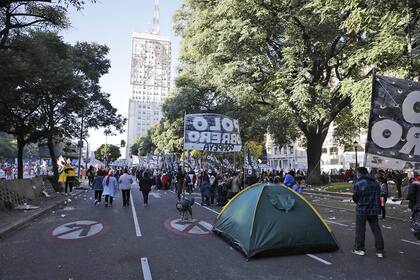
(334, 157)
(287, 157)
(150, 80)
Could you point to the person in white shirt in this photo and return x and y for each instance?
(125, 181)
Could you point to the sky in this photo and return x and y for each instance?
(112, 22)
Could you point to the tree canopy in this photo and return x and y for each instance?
(112, 152)
(50, 87)
(299, 63)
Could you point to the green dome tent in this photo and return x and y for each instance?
(269, 219)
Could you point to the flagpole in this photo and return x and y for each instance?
(370, 116)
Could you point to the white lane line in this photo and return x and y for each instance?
(136, 221)
(335, 223)
(319, 259)
(205, 207)
(408, 241)
(147, 275)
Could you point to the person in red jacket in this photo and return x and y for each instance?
(164, 180)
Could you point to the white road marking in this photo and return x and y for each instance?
(136, 221)
(203, 206)
(408, 241)
(319, 259)
(335, 223)
(155, 195)
(147, 275)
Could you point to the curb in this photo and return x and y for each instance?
(20, 223)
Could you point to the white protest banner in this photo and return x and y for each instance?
(211, 132)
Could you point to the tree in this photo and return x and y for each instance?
(18, 17)
(143, 145)
(72, 91)
(18, 102)
(7, 146)
(168, 136)
(299, 59)
(112, 152)
(51, 87)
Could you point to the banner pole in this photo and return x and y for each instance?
(370, 118)
(234, 161)
(221, 164)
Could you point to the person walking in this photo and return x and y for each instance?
(97, 186)
(110, 185)
(164, 180)
(213, 186)
(235, 185)
(145, 187)
(68, 177)
(366, 195)
(205, 189)
(384, 196)
(414, 205)
(125, 181)
(91, 175)
(180, 182)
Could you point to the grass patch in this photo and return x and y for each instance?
(339, 187)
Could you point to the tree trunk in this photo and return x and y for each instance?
(53, 157)
(20, 146)
(315, 138)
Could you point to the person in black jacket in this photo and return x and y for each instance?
(414, 204)
(146, 184)
(366, 195)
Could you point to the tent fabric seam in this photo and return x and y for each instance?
(313, 208)
(233, 198)
(255, 210)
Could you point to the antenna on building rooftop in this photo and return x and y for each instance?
(156, 18)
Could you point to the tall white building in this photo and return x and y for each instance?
(150, 80)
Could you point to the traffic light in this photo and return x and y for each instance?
(122, 143)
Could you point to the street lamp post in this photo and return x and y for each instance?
(80, 146)
(87, 153)
(355, 143)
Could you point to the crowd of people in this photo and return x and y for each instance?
(216, 188)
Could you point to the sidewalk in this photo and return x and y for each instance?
(12, 220)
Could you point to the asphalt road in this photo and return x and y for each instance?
(118, 249)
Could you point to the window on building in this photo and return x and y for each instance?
(334, 161)
(324, 150)
(334, 151)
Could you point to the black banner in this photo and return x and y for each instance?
(394, 126)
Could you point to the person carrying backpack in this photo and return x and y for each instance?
(366, 195)
(384, 195)
(414, 206)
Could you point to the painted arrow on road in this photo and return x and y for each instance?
(78, 229)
